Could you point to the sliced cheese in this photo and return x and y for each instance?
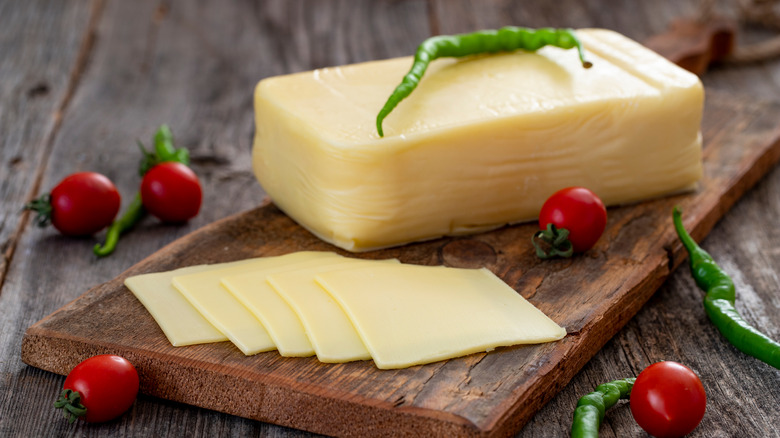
(482, 141)
(178, 319)
(408, 315)
(327, 327)
(276, 315)
(205, 292)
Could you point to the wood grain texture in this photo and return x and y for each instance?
(141, 71)
(491, 394)
(743, 395)
(39, 72)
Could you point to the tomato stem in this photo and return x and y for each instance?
(552, 242)
(164, 151)
(42, 207)
(70, 403)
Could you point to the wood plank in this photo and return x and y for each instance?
(48, 271)
(38, 82)
(43, 49)
(191, 65)
(481, 394)
(743, 395)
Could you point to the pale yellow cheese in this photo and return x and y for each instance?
(276, 315)
(328, 328)
(408, 315)
(205, 292)
(178, 319)
(482, 141)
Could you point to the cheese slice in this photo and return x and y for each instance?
(205, 292)
(178, 319)
(483, 141)
(276, 315)
(408, 315)
(327, 327)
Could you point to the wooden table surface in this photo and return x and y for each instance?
(80, 81)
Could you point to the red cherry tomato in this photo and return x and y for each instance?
(668, 400)
(171, 192)
(107, 384)
(83, 203)
(578, 210)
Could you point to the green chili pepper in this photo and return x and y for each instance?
(484, 41)
(164, 151)
(135, 211)
(591, 407)
(719, 301)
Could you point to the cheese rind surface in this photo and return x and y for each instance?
(480, 143)
(408, 315)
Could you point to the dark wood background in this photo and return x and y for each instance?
(81, 80)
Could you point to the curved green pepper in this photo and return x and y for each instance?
(591, 407)
(719, 301)
(484, 41)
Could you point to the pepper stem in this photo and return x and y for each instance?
(70, 403)
(552, 242)
(686, 239)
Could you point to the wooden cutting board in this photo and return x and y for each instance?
(486, 394)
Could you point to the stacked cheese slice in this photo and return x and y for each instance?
(342, 309)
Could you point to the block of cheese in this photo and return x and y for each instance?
(481, 142)
(205, 292)
(408, 315)
(279, 319)
(330, 331)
